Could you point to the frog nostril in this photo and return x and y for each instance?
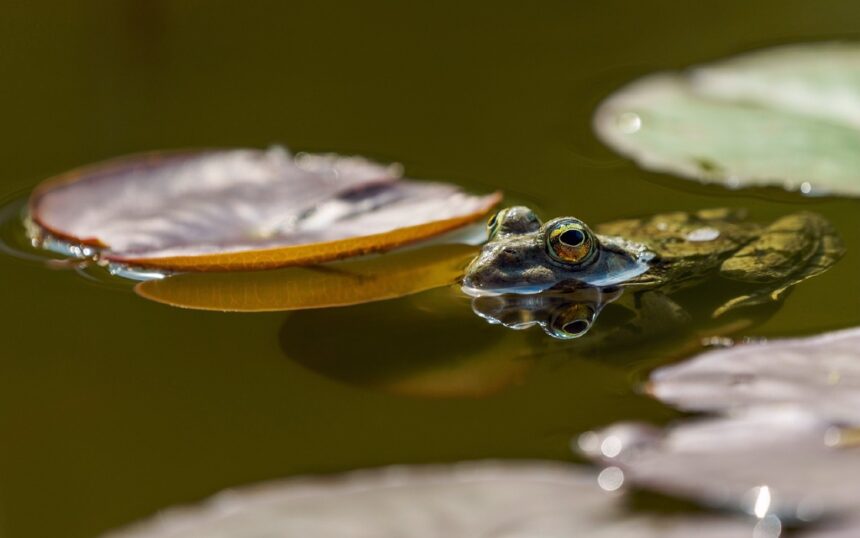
(509, 255)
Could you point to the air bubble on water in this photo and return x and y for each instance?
(768, 527)
(610, 479)
(629, 122)
(611, 446)
(588, 442)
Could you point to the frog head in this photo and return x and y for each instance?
(524, 256)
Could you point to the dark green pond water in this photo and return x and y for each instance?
(112, 407)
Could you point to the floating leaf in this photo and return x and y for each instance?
(820, 373)
(295, 288)
(791, 426)
(842, 528)
(787, 116)
(503, 500)
(809, 467)
(246, 209)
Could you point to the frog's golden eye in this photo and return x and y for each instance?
(570, 241)
(571, 322)
(494, 223)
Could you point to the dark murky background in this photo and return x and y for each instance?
(112, 407)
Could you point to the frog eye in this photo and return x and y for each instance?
(571, 322)
(570, 241)
(494, 223)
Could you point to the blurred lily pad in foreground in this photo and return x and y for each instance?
(320, 286)
(499, 499)
(787, 116)
(246, 209)
(820, 374)
(788, 442)
(785, 462)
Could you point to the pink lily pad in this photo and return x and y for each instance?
(246, 209)
(499, 499)
(819, 373)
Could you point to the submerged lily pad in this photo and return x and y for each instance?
(246, 209)
(296, 288)
(503, 500)
(787, 116)
(820, 373)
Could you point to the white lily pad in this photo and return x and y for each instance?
(819, 373)
(502, 500)
(246, 209)
(808, 467)
(787, 116)
(846, 528)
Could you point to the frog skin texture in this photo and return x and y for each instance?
(662, 253)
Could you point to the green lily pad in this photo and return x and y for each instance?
(787, 116)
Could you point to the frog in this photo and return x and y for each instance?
(652, 257)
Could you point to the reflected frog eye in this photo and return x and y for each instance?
(570, 241)
(571, 322)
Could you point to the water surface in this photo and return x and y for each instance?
(112, 407)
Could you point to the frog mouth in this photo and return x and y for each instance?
(610, 270)
(470, 288)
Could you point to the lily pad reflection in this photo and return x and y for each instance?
(441, 349)
(321, 286)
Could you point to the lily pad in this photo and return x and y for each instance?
(809, 467)
(787, 116)
(820, 373)
(296, 288)
(246, 209)
(503, 500)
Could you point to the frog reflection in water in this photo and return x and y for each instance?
(529, 273)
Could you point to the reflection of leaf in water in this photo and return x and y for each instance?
(786, 116)
(246, 209)
(338, 284)
(499, 499)
(820, 373)
(433, 348)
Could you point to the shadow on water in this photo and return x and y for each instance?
(491, 343)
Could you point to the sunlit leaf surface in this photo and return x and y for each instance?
(787, 116)
(821, 374)
(502, 500)
(295, 288)
(247, 209)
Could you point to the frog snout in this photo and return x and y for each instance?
(479, 274)
(490, 268)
